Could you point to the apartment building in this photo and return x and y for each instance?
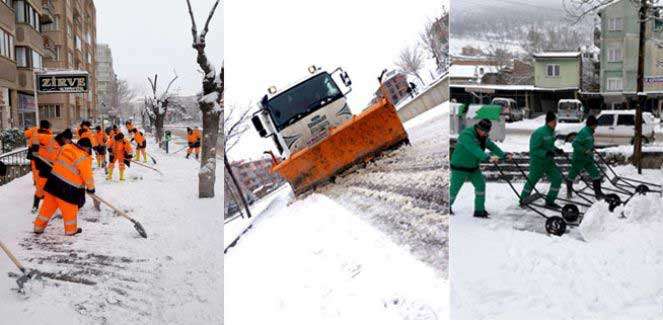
(37, 35)
(105, 78)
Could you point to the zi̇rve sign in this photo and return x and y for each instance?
(62, 83)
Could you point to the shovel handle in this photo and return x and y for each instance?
(12, 257)
(120, 212)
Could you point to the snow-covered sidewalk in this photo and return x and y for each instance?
(507, 267)
(174, 277)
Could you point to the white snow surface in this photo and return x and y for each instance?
(507, 267)
(173, 277)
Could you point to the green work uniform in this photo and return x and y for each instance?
(541, 162)
(465, 161)
(583, 155)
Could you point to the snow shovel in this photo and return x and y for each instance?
(146, 166)
(139, 228)
(27, 275)
(180, 150)
(154, 161)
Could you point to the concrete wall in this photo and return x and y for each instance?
(569, 73)
(435, 95)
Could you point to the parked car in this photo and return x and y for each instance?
(617, 127)
(570, 110)
(510, 109)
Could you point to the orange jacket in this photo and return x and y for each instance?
(86, 133)
(193, 137)
(28, 134)
(71, 175)
(119, 149)
(139, 138)
(101, 138)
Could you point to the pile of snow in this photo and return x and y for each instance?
(173, 277)
(316, 260)
(507, 267)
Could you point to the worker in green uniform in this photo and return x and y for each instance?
(542, 152)
(583, 158)
(466, 158)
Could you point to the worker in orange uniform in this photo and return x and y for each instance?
(85, 132)
(65, 189)
(27, 133)
(120, 151)
(43, 149)
(129, 125)
(100, 138)
(193, 138)
(141, 144)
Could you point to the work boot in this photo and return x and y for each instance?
(481, 214)
(598, 192)
(451, 211)
(569, 189)
(187, 155)
(78, 231)
(109, 174)
(121, 174)
(35, 204)
(552, 205)
(196, 156)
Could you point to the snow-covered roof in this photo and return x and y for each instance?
(552, 55)
(512, 87)
(569, 101)
(48, 72)
(471, 71)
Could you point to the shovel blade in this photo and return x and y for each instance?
(139, 228)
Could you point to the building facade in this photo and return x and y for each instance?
(105, 78)
(38, 35)
(255, 176)
(619, 37)
(557, 70)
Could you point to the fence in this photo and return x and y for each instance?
(17, 165)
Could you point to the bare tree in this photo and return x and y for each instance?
(211, 105)
(157, 104)
(411, 61)
(235, 121)
(435, 39)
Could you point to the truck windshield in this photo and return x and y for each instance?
(569, 106)
(302, 99)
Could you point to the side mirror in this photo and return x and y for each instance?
(264, 102)
(257, 124)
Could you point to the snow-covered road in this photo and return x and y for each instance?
(174, 277)
(372, 246)
(508, 268)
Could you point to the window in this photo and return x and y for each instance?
(8, 2)
(26, 14)
(70, 58)
(89, 58)
(625, 119)
(28, 58)
(78, 42)
(606, 120)
(49, 111)
(615, 54)
(6, 45)
(552, 70)
(58, 50)
(615, 84)
(69, 32)
(615, 24)
(54, 26)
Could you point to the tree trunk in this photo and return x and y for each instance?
(158, 124)
(207, 174)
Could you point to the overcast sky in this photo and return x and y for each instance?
(273, 42)
(154, 36)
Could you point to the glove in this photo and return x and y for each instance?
(127, 162)
(559, 151)
(91, 191)
(509, 157)
(130, 157)
(494, 159)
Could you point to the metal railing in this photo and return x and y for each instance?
(17, 165)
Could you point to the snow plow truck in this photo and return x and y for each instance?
(315, 132)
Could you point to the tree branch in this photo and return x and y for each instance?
(194, 29)
(209, 19)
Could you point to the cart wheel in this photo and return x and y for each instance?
(642, 189)
(556, 226)
(613, 201)
(570, 213)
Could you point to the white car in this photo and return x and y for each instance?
(618, 128)
(510, 109)
(569, 110)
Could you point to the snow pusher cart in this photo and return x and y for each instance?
(625, 183)
(316, 134)
(571, 216)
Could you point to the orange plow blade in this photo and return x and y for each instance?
(366, 135)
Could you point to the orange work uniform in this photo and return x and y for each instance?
(44, 151)
(141, 145)
(119, 149)
(100, 139)
(65, 188)
(193, 139)
(28, 139)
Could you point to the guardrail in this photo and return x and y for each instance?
(17, 165)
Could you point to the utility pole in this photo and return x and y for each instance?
(237, 185)
(640, 96)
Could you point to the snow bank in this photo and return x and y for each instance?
(316, 260)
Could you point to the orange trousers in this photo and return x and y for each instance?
(39, 184)
(193, 150)
(47, 210)
(120, 163)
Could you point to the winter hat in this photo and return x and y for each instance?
(485, 125)
(66, 134)
(550, 116)
(44, 124)
(591, 121)
(119, 136)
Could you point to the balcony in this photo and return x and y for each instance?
(50, 51)
(48, 12)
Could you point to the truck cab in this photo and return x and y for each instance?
(570, 110)
(301, 115)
